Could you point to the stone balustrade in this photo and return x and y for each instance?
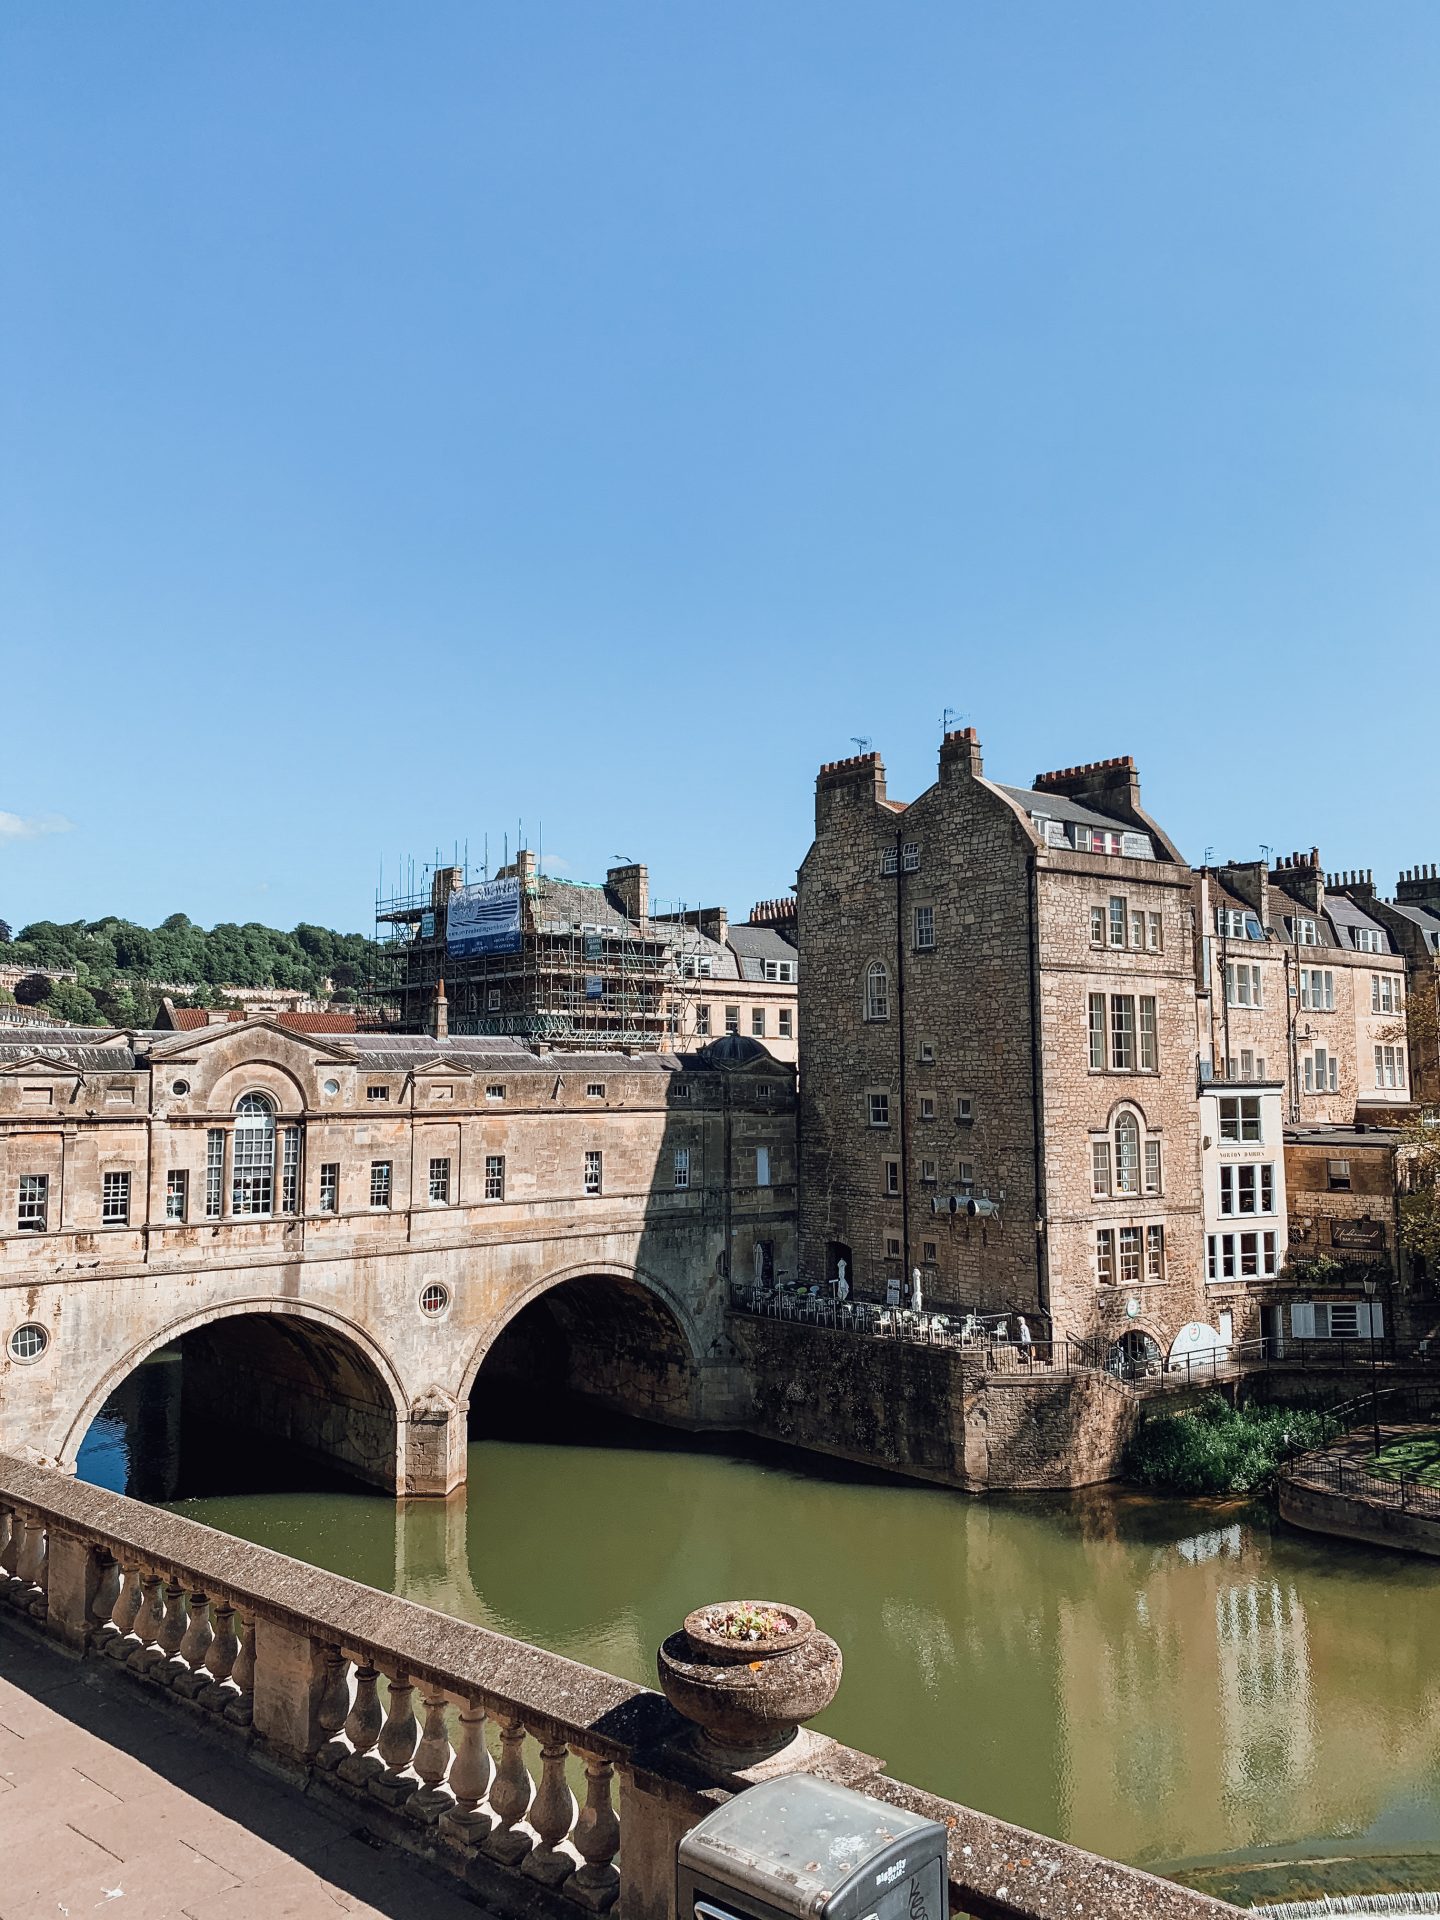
(464, 1746)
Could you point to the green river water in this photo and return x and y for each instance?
(1189, 1687)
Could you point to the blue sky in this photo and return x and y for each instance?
(419, 419)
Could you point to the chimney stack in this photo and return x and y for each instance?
(631, 888)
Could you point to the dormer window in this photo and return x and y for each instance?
(1306, 934)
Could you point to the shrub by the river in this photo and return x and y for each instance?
(1217, 1448)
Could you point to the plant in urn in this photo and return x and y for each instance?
(748, 1673)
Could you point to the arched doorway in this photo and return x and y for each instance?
(591, 1342)
(1134, 1356)
(243, 1402)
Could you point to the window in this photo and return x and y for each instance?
(924, 928)
(927, 1106)
(681, 1089)
(1240, 1117)
(290, 1170)
(1242, 984)
(1100, 1167)
(1155, 1253)
(1149, 1051)
(214, 1172)
(1247, 1189)
(892, 1246)
(1322, 1071)
(1129, 1256)
(1245, 1256)
(965, 1175)
(594, 1169)
(910, 859)
(762, 1166)
(1385, 993)
(781, 970)
(929, 1172)
(330, 1186)
(889, 861)
(1389, 1066)
(434, 1299)
(1122, 1032)
(177, 1193)
(1097, 926)
(28, 1342)
(964, 1109)
(879, 1109)
(892, 1177)
(115, 1200)
(702, 1021)
(757, 1023)
(252, 1182)
(877, 992)
(595, 1090)
(929, 1251)
(377, 1093)
(1155, 933)
(1127, 1154)
(1233, 923)
(1152, 1166)
(1305, 934)
(495, 1093)
(440, 1182)
(1317, 990)
(379, 1183)
(495, 1176)
(492, 1000)
(785, 1023)
(732, 1019)
(1118, 919)
(1105, 1256)
(1097, 1032)
(34, 1207)
(697, 966)
(1367, 940)
(1137, 929)
(682, 1168)
(1339, 1175)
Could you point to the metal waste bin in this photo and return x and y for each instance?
(799, 1846)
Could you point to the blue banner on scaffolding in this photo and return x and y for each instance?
(484, 918)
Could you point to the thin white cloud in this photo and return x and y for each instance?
(15, 826)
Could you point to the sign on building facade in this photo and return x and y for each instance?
(484, 918)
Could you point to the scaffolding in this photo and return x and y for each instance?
(587, 973)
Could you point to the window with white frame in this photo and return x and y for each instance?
(929, 1172)
(1317, 989)
(890, 1177)
(214, 1173)
(924, 928)
(34, 1205)
(594, 1171)
(1097, 1032)
(1246, 1065)
(380, 1183)
(1306, 933)
(1097, 926)
(330, 1186)
(289, 1169)
(1122, 1032)
(115, 1200)
(377, 1093)
(892, 1246)
(877, 991)
(762, 1166)
(595, 1090)
(1155, 1253)
(1130, 1244)
(781, 970)
(1389, 1066)
(1241, 1256)
(927, 1106)
(495, 1177)
(1149, 1043)
(1153, 1183)
(495, 1092)
(702, 1020)
(1321, 1071)
(879, 1109)
(910, 858)
(682, 1168)
(785, 1022)
(1242, 984)
(1155, 933)
(965, 1175)
(1100, 1168)
(440, 1181)
(1235, 923)
(1247, 1188)
(1105, 1256)
(1127, 1153)
(177, 1193)
(1240, 1117)
(889, 861)
(732, 1019)
(1386, 993)
(1119, 916)
(1367, 940)
(757, 1023)
(492, 1000)
(252, 1171)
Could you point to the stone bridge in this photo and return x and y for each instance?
(348, 1238)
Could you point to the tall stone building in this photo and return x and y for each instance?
(999, 1087)
(1412, 922)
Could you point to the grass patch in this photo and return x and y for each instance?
(1417, 1457)
(1217, 1448)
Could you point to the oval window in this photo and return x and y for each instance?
(434, 1299)
(179, 1086)
(28, 1342)
(332, 1087)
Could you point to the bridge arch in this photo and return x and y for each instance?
(310, 1375)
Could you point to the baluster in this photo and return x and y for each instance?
(150, 1624)
(396, 1746)
(220, 1661)
(432, 1761)
(553, 1815)
(109, 1583)
(30, 1594)
(333, 1709)
(10, 1550)
(125, 1643)
(597, 1840)
(510, 1798)
(194, 1676)
(469, 1820)
(362, 1729)
(239, 1710)
(172, 1635)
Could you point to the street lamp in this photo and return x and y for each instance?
(1371, 1284)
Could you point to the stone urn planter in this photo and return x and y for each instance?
(748, 1674)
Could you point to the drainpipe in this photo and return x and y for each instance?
(1037, 1104)
(900, 1033)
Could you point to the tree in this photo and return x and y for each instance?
(1418, 1167)
(74, 1005)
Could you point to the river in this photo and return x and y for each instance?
(1189, 1687)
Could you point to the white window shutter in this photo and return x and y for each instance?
(1302, 1320)
(1372, 1319)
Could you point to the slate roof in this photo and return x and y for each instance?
(1346, 917)
(1058, 806)
(1428, 924)
(762, 943)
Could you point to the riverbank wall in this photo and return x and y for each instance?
(1353, 1517)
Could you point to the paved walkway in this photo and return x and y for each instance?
(111, 1804)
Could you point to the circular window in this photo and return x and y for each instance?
(434, 1299)
(332, 1087)
(28, 1342)
(179, 1086)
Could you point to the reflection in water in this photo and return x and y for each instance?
(1162, 1681)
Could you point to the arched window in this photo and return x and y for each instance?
(877, 992)
(1127, 1153)
(252, 1188)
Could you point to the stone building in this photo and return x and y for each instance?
(999, 1086)
(1412, 921)
(343, 1228)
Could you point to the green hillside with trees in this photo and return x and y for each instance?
(119, 966)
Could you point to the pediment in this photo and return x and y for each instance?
(189, 1045)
